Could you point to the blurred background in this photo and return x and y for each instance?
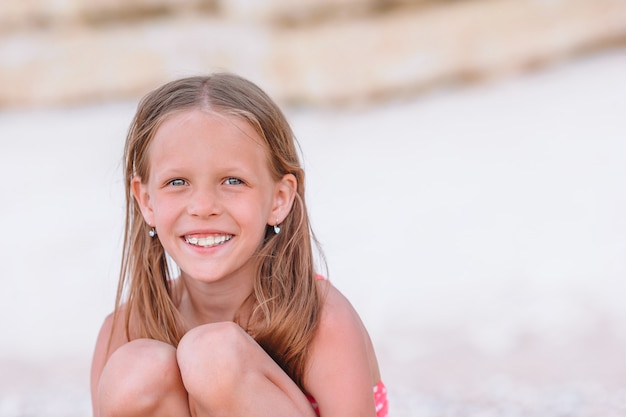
(466, 163)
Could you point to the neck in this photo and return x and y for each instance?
(202, 303)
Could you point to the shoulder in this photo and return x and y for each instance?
(338, 314)
(337, 311)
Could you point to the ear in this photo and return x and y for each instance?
(284, 194)
(142, 196)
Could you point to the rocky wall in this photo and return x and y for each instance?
(315, 52)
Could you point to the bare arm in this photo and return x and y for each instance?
(343, 368)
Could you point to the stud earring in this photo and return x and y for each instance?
(152, 232)
(276, 227)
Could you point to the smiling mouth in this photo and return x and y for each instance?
(208, 241)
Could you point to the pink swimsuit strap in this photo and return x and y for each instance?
(380, 401)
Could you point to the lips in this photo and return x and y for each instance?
(207, 241)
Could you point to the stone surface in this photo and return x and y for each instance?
(412, 50)
(76, 65)
(327, 61)
(16, 14)
(286, 11)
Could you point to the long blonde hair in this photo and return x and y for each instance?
(286, 300)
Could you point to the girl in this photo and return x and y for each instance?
(247, 328)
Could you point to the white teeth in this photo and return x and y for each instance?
(207, 242)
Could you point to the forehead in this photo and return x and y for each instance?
(197, 134)
(205, 121)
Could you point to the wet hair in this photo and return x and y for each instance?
(285, 298)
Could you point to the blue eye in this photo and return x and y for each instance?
(233, 181)
(177, 182)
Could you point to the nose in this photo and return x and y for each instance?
(204, 202)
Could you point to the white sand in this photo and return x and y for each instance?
(480, 231)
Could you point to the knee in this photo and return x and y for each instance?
(136, 377)
(212, 358)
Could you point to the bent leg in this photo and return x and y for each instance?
(141, 378)
(226, 373)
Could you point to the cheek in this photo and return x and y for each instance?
(164, 209)
(253, 212)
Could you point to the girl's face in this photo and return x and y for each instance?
(210, 194)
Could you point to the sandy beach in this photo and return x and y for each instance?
(480, 230)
